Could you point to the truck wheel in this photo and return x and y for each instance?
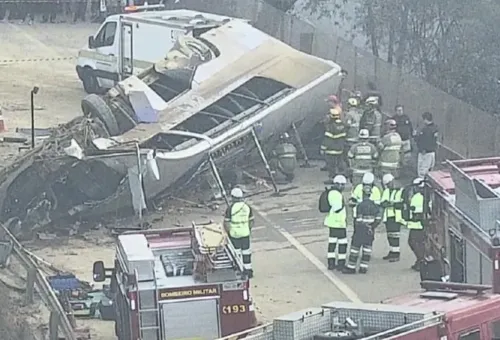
(89, 80)
(95, 107)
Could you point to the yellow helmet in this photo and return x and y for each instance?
(334, 113)
(353, 101)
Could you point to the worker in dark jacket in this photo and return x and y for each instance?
(426, 140)
(284, 158)
(333, 144)
(368, 217)
(405, 129)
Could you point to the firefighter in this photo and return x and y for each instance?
(362, 157)
(357, 192)
(334, 103)
(284, 158)
(372, 118)
(392, 203)
(238, 223)
(333, 144)
(352, 118)
(416, 238)
(390, 150)
(367, 219)
(336, 221)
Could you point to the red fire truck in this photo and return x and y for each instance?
(183, 283)
(464, 225)
(442, 311)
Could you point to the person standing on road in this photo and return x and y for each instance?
(284, 158)
(390, 150)
(334, 144)
(392, 203)
(336, 221)
(359, 190)
(362, 158)
(238, 223)
(405, 130)
(416, 239)
(367, 219)
(427, 145)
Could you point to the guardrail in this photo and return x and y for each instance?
(36, 280)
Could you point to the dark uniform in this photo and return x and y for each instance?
(368, 216)
(416, 238)
(239, 216)
(333, 145)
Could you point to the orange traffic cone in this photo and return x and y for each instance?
(3, 126)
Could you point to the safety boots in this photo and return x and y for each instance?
(391, 257)
(331, 264)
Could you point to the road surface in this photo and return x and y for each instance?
(294, 219)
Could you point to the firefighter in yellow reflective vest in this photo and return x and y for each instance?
(367, 219)
(390, 150)
(238, 223)
(333, 144)
(368, 181)
(416, 238)
(362, 157)
(336, 221)
(284, 158)
(392, 203)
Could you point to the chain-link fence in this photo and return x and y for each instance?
(466, 131)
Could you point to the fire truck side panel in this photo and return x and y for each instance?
(234, 310)
(188, 319)
(479, 316)
(427, 333)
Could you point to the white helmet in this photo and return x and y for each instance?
(364, 133)
(418, 181)
(339, 179)
(388, 178)
(373, 100)
(237, 193)
(368, 178)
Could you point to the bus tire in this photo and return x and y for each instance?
(95, 107)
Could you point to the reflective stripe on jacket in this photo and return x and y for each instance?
(392, 196)
(390, 148)
(357, 194)
(363, 156)
(417, 201)
(336, 219)
(334, 138)
(240, 220)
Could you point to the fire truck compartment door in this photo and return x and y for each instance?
(191, 319)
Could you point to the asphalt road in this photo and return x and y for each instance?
(292, 221)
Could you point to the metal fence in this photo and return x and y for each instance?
(466, 131)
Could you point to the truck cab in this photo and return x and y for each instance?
(127, 44)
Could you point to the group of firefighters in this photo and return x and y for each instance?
(362, 147)
(373, 148)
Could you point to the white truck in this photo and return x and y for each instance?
(126, 44)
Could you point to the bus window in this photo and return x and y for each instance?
(495, 330)
(471, 335)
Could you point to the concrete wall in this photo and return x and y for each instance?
(465, 130)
